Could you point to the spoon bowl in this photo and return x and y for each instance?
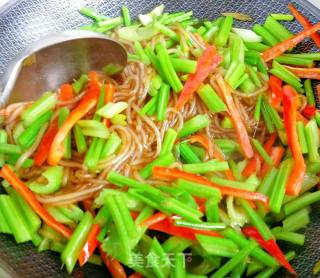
(57, 59)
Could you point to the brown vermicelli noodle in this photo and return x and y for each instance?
(142, 136)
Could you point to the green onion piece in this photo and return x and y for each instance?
(44, 104)
(127, 218)
(301, 202)
(227, 122)
(257, 46)
(209, 35)
(227, 146)
(139, 50)
(263, 68)
(198, 190)
(71, 252)
(199, 151)
(312, 56)
(184, 65)
(247, 86)
(254, 76)
(111, 146)
(277, 29)
(257, 110)
(158, 259)
(155, 85)
(108, 24)
(236, 171)
(101, 101)
(253, 267)
(193, 125)
(201, 30)
(239, 270)
(63, 115)
(257, 253)
(176, 244)
(164, 160)
(224, 31)
(201, 226)
(176, 207)
(267, 117)
(166, 31)
(14, 219)
(29, 135)
(313, 141)
(211, 99)
(265, 186)
(53, 176)
(93, 154)
(79, 139)
(9, 149)
(155, 62)
(218, 246)
(3, 140)
(284, 17)
(294, 61)
(162, 101)
(111, 109)
(187, 154)
(121, 181)
(302, 137)
(137, 33)
(256, 220)
(120, 226)
(92, 14)
(89, 27)
(31, 219)
(267, 37)
(93, 128)
(235, 260)
(212, 209)
(168, 69)
(309, 92)
(235, 184)
(151, 105)
(145, 213)
(291, 237)
(287, 76)
(234, 73)
(296, 221)
(205, 167)
(279, 186)
(237, 49)
(179, 268)
(126, 16)
(168, 141)
(58, 215)
(262, 151)
(79, 84)
(72, 211)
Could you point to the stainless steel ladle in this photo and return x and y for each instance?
(56, 59)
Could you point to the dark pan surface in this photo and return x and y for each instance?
(26, 21)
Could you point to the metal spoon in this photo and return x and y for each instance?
(56, 59)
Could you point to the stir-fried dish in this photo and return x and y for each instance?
(199, 160)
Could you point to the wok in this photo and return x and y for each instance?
(22, 22)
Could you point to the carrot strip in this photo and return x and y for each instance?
(276, 154)
(66, 92)
(206, 63)
(282, 47)
(110, 89)
(90, 245)
(44, 147)
(241, 131)
(311, 73)
(304, 22)
(86, 104)
(253, 166)
(169, 173)
(31, 199)
(153, 219)
(136, 275)
(114, 266)
(290, 105)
